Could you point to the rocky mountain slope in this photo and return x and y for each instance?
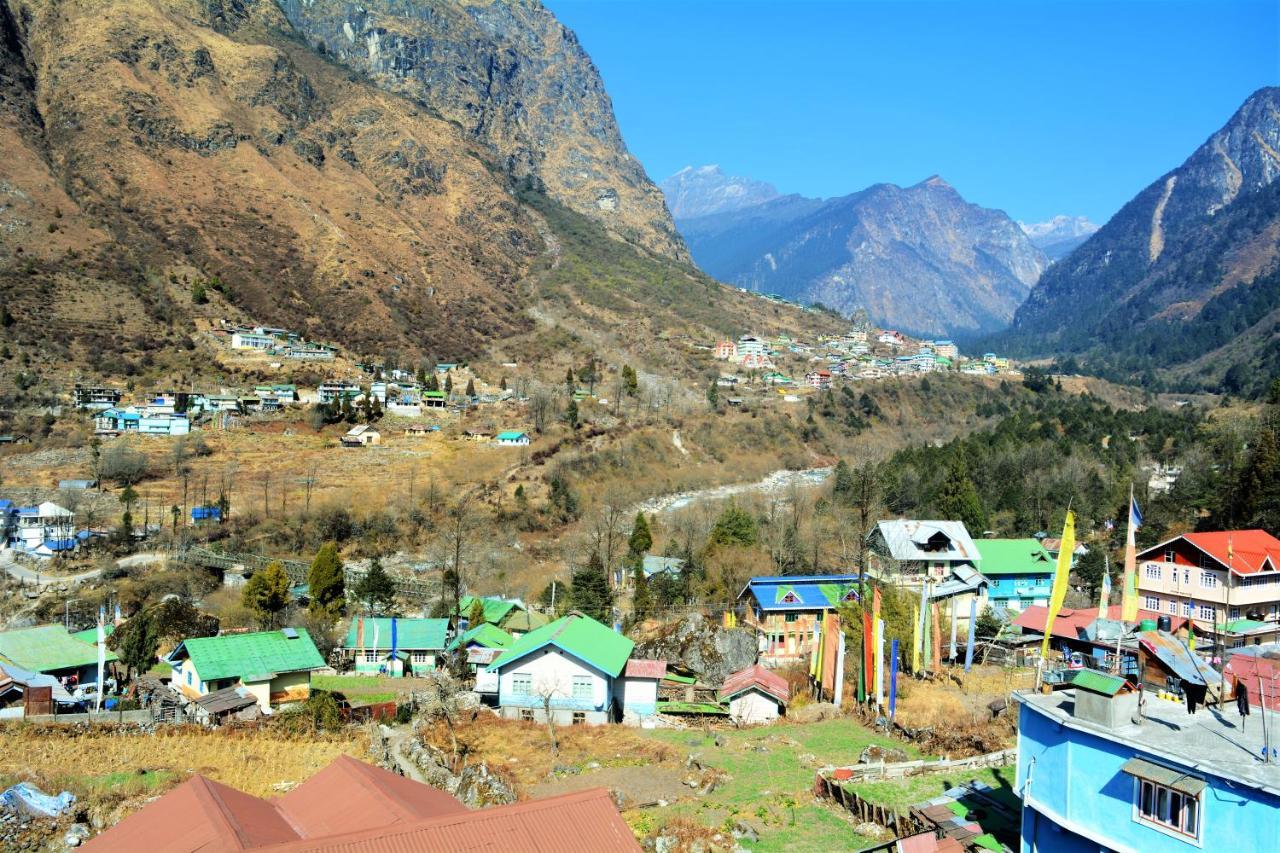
(706, 190)
(172, 159)
(516, 80)
(1182, 283)
(918, 258)
(1058, 237)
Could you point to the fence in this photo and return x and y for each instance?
(901, 825)
(413, 589)
(902, 769)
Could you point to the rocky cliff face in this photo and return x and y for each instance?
(918, 258)
(706, 190)
(1185, 275)
(516, 81)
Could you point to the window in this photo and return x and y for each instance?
(421, 657)
(1205, 561)
(582, 687)
(1206, 612)
(1153, 572)
(1173, 607)
(579, 718)
(189, 678)
(526, 715)
(522, 683)
(1235, 613)
(370, 655)
(791, 617)
(1208, 580)
(1169, 556)
(790, 598)
(1151, 602)
(1166, 808)
(1186, 576)
(1186, 608)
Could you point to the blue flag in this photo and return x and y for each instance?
(393, 643)
(1135, 514)
(893, 680)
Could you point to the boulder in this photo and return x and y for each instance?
(703, 646)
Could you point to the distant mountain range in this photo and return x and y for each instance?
(918, 258)
(706, 190)
(1183, 284)
(1059, 236)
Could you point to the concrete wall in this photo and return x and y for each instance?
(290, 687)
(753, 707)
(640, 695)
(1078, 798)
(103, 717)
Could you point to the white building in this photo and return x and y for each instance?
(45, 530)
(251, 341)
(755, 695)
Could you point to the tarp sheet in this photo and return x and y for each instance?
(27, 798)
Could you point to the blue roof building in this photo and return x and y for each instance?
(786, 611)
(1095, 771)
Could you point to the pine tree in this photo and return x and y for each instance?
(325, 581)
(630, 382)
(641, 598)
(589, 590)
(376, 590)
(641, 539)
(713, 395)
(448, 384)
(843, 488)
(476, 615)
(471, 388)
(571, 414)
(267, 592)
(958, 498)
(735, 526)
(137, 641)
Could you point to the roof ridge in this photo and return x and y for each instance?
(207, 795)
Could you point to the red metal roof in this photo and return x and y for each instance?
(756, 676)
(645, 668)
(350, 795)
(1251, 550)
(352, 806)
(1251, 668)
(586, 821)
(199, 814)
(1069, 623)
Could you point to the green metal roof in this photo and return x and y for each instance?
(1013, 557)
(580, 636)
(48, 648)
(484, 634)
(495, 609)
(1241, 626)
(246, 655)
(510, 435)
(1097, 682)
(410, 633)
(90, 635)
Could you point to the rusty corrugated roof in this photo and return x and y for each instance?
(350, 795)
(759, 677)
(353, 806)
(637, 668)
(580, 822)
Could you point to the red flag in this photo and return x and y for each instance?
(868, 649)
(360, 632)
(830, 652)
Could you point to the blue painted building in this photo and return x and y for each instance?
(1019, 572)
(1091, 778)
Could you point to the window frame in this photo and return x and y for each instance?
(522, 683)
(1150, 799)
(581, 688)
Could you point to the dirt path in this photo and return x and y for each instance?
(638, 785)
(396, 740)
(42, 579)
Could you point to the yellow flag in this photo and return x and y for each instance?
(1060, 578)
(815, 657)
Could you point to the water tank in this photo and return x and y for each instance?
(1147, 625)
(1164, 623)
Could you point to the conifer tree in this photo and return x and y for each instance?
(325, 582)
(589, 590)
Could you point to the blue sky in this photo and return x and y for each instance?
(1034, 107)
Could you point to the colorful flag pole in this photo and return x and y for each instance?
(879, 664)
(1104, 600)
(1060, 577)
(915, 639)
(893, 680)
(393, 647)
(973, 630)
(868, 650)
(102, 655)
(952, 608)
(838, 697)
(1129, 600)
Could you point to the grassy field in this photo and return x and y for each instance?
(771, 772)
(365, 689)
(108, 769)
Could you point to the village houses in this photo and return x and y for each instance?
(275, 666)
(395, 647)
(786, 611)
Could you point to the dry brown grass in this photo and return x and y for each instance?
(521, 751)
(250, 761)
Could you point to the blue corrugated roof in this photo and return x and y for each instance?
(60, 544)
(802, 592)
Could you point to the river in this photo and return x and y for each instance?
(775, 483)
